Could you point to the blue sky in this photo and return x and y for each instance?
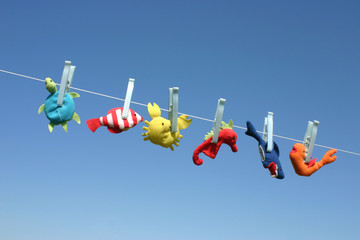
(298, 59)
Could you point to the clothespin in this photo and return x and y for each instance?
(218, 119)
(309, 139)
(268, 131)
(173, 107)
(129, 92)
(66, 81)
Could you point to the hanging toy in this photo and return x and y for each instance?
(114, 121)
(59, 106)
(159, 129)
(269, 151)
(118, 119)
(300, 156)
(165, 132)
(220, 133)
(210, 149)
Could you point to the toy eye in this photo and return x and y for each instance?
(163, 124)
(233, 138)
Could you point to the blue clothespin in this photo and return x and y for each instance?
(309, 139)
(269, 131)
(129, 92)
(66, 81)
(218, 119)
(173, 107)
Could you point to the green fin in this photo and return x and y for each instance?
(224, 125)
(229, 125)
(74, 95)
(209, 135)
(51, 127)
(76, 117)
(41, 108)
(64, 125)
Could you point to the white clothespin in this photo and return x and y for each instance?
(309, 139)
(173, 107)
(129, 92)
(269, 131)
(218, 119)
(66, 81)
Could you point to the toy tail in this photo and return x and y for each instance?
(93, 124)
(251, 131)
(202, 149)
(196, 158)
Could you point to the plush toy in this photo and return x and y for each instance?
(159, 128)
(270, 160)
(114, 121)
(59, 115)
(226, 135)
(297, 157)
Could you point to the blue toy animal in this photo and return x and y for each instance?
(269, 160)
(58, 114)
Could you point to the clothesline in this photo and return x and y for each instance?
(196, 117)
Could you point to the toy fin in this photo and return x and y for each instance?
(114, 130)
(74, 95)
(51, 127)
(76, 117)
(93, 124)
(276, 148)
(312, 162)
(41, 108)
(64, 125)
(111, 110)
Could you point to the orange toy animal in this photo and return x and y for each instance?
(297, 157)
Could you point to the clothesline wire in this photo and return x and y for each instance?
(166, 110)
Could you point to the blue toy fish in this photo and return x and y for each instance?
(269, 160)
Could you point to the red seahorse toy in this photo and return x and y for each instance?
(226, 135)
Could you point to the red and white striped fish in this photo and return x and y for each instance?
(114, 121)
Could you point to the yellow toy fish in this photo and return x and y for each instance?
(159, 128)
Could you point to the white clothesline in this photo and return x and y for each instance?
(196, 117)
